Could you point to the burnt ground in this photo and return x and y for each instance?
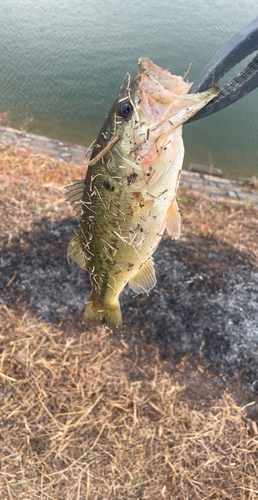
(204, 304)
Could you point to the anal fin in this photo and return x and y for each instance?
(173, 221)
(75, 251)
(145, 279)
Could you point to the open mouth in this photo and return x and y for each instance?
(161, 92)
(165, 96)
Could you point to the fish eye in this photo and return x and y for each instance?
(125, 109)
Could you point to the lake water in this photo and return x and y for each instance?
(62, 63)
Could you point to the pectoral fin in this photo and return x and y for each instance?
(145, 279)
(74, 251)
(173, 221)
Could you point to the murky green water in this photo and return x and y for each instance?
(62, 63)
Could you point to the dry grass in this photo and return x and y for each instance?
(31, 187)
(79, 420)
(233, 223)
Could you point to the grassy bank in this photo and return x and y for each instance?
(87, 415)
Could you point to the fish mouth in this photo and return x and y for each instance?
(164, 96)
(163, 105)
(161, 92)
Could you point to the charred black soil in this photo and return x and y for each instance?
(204, 308)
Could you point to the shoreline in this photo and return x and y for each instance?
(202, 184)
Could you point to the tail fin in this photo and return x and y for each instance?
(103, 314)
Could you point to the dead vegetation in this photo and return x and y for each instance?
(87, 416)
(233, 223)
(32, 187)
(80, 420)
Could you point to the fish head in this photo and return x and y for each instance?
(149, 112)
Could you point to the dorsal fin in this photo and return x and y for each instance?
(75, 251)
(173, 221)
(75, 192)
(145, 279)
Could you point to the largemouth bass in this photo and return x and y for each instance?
(128, 197)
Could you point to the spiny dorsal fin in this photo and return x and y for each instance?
(173, 221)
(75, 192)
(74, 251)
(145, 279)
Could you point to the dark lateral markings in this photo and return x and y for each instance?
(205, 297)
(107, 186)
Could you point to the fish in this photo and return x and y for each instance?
(128, 196)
